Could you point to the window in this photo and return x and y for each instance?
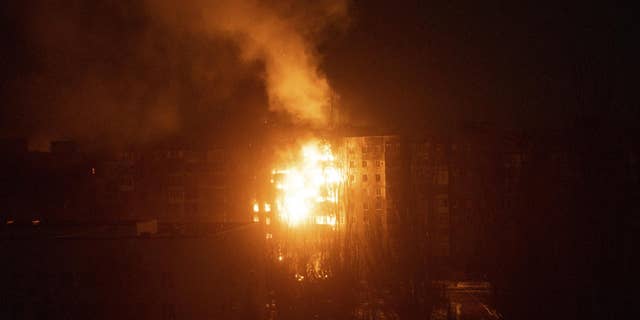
(378, 163)
(364, 163)
(352, 164)
(167, 280)
(176, 195)
(191, 208)
(168, 311)
(442, 177)
(127, 181)
(365, 178)
(378, 191)
(352, 178)
(377, 177)
(442, 203)
(174, 154)
(365, 206)
(364, 149)
(378, 204)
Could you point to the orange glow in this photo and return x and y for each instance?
(267, 220)
(256, 218)
(267, 207)
(328, 220)
(308, 183)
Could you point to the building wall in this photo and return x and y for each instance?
(366, 197)
(366, 180)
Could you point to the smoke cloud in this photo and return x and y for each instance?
(280, 34)
(138, 71)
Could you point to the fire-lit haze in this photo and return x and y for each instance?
(280, 35)
(308, 186)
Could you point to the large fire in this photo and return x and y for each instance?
(307, 189)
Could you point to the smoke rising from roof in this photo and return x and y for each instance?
(135, 72)
(279, 34)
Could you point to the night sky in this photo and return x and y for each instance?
(104, 70)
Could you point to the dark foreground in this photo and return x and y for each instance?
(233, 273)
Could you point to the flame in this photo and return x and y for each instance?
(308, 183)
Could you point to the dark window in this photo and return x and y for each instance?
(168, 311)
(364, 163)
(377, 178)
(365, 178)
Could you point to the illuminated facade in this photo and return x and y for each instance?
(371, 202)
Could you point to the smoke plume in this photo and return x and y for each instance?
(280, 34)
(122, 72)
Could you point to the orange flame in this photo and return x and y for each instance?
(307, 184)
